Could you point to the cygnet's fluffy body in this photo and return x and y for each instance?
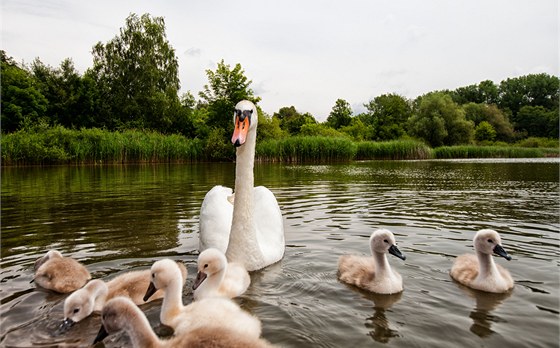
(217, 311)
(373, 273)
(92, 297)
(121, 314)
(479, 271)
(218, 278)
(60, 274)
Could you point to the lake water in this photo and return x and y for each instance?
(120, 218)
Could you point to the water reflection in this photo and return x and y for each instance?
(485, 303)
(379, 323)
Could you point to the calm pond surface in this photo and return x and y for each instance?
(120, 218)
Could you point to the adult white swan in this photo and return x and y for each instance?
(249, 227)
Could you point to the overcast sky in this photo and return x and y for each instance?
(308, 53)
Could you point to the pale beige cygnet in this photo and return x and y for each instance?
(121, 313)
(218, 311)
(479, 271)
(91, 298)
(60, 274)
(373, 273)
(218, 278)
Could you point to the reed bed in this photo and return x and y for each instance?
(446, 152)
(303, 149)
(58, 145)
(393, 150)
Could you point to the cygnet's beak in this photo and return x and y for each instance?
(498, 249)
(101, 335)
(66, 324)
(393, 250)
(199, 279)
(151, 290)
(242, 123)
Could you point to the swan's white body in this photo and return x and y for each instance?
(215, 311)
(479, 271)
(248, 228)
(218, 278)
(373, 273)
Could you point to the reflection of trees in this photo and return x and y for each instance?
(482, 315)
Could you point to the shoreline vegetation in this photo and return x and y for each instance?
(58, 145)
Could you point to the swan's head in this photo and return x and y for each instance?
(245, 118)
(383, 241)
(488, 242)
(115, 316)
(210, 261)
(163, 273)
(79, 304)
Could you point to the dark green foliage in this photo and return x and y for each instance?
(291, 120)
(388, 114)
(537, 121)
(495, 117)
(341, 114)
(22, 101)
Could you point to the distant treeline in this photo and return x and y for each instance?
(133, 88)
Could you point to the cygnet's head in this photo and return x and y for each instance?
(80, 303)
(383, 241)
(163, 273)
(210, 261)
(245, 118)
(115, 316)
(488, 241)
(51, 254)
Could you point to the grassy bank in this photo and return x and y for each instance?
(446, 152)
(58, 145)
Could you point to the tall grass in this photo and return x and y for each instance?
(300, 149)
(58, 145)
(393, 150)
(446, 152)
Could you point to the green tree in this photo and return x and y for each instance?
(291, 120)
(340, 115)
(484, 132)
(358, 130)
(137, 76)
(495, 117)
(269, 127)
(440, 121)
(21, 102)
(530, 90)
(70, 96)
(537, 121)
(485, 92)
(388, 115)
(226, 87)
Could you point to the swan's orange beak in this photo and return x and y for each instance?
(240, 132)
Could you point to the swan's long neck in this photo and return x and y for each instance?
(487, 266)
(140, 332)
(382, 268)
(100, 292)
(172, 301)
(243, 245)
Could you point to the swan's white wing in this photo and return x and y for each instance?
(269, 225)
(215, 219)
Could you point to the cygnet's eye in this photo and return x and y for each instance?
(153, 275)
(386, 241)
(490, 241)
(76, 310)
(206, 266)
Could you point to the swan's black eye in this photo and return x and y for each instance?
(490, 241)
(76, 310)
(206, 266)
(386, 241)
(153, 275)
